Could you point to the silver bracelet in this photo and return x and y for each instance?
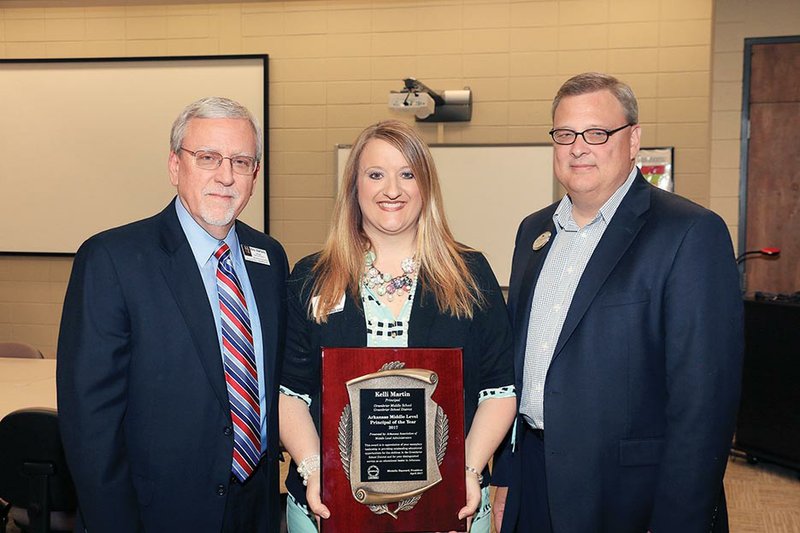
(478, 474)
(307, 467)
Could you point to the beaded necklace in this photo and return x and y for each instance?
(385, 284)
(383, 327)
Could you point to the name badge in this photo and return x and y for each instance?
(256, 255)
(335, 309)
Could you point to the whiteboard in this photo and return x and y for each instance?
(488, 190)
(84, 143)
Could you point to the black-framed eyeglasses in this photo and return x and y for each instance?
(591, 136)
(208, 160)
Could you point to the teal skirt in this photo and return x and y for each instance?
(300, 520)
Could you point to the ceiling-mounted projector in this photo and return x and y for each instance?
(429, 106)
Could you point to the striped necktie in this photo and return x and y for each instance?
(241, 375)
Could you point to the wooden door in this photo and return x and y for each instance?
(773, 166)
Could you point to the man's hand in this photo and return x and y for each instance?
(499, 507)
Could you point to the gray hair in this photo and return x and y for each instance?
(214, 107)
(590, 82)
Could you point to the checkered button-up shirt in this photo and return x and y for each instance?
(571, 250)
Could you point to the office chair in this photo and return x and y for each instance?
(20, 350)
(34, 478)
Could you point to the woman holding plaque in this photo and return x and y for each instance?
(392, 275)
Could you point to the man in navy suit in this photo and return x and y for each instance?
(147, 378)
(628, 339)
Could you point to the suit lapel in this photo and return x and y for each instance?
(424, 315)
(183, 278)
(352, 327)
(345, 328)
(619, 235)
(265, 288)
(524, 296)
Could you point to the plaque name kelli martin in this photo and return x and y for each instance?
(392, 437)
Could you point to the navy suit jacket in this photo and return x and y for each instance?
(142, 400)
(641, 396)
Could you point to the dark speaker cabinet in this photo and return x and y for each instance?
(769, 416)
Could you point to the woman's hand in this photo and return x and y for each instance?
(473, 499)
(302, 442)
(313, 498)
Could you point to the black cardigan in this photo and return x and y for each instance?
(485, 340)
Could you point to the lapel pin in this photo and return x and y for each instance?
(541, 240)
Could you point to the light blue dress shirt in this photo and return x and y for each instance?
(203, 247)
(563, 268)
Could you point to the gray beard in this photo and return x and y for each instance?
(223, 220)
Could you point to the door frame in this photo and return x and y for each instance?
(744, 143)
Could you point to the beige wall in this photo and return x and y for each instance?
(31, 294)
(734, 21)
(333, 62)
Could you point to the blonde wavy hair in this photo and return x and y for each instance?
(442, 269)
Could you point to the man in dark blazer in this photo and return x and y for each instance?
(628, 341)
(146, 385)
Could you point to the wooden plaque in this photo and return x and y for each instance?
(392, 439)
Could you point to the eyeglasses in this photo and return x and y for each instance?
(208, 160)
(591, 136)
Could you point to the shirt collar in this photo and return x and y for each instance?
(563, 214)
(203, 245)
